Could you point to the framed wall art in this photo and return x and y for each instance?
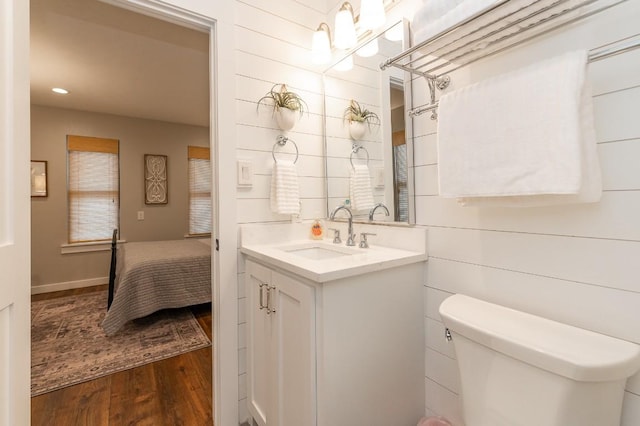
(38, 178)
(155, 179)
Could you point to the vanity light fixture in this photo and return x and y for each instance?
(321, 44)
(60, 90)
(345, 36)
(372, 14)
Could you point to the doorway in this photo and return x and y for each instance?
(69, 14)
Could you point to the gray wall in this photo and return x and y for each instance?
(49, 127)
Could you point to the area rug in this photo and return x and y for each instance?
(68, 345)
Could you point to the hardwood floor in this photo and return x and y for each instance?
(174, 391)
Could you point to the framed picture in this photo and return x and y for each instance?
(155, 179)
(39, 179)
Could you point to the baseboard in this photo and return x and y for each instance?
(68, 285)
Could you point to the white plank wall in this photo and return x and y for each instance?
(272, 46)
(574, 264)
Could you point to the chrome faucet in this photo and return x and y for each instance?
(351, 235)
(373, 210)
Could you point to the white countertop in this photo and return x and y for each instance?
(359, 261)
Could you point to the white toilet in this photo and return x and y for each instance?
(518, 369)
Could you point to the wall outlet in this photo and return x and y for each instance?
(140, 215)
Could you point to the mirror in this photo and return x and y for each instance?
(385, 148)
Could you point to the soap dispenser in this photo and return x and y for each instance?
(317, 230)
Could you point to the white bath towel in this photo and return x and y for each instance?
(505, 18)
(525, 138)
(435, 17)
(360, 188)
(431, 11)
(285, 192)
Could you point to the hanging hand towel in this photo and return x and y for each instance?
(285, 193)
(360, 188)
(525, 138)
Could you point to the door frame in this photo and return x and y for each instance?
(217, 19)
(15, 208)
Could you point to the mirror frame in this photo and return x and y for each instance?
(409, 131)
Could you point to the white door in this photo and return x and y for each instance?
(15, 359)
(294, 352)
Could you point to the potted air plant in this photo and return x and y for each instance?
(285, 104)
(358, 117)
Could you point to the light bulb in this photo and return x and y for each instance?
(345, 37)
(321, 45)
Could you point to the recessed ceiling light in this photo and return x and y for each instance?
(60, 90)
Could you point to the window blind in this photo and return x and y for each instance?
(199, 191)
(93, 188)
(400, 182)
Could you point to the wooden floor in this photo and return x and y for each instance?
(172, 392)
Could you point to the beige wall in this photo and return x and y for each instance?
(49, 127)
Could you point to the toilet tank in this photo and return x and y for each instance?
(518, 369)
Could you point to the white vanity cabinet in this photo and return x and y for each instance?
(344, 352)
(281, 359)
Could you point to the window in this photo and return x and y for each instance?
(199, 191)
(93, 188)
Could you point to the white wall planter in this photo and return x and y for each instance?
(286, 118)
(357, 129)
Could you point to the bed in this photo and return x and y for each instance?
(148, 276)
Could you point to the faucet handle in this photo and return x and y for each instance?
(336, 235)
(363, 239)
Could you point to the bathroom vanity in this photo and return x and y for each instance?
(335, 334)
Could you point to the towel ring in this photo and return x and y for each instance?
(355, 150)
(282, 141)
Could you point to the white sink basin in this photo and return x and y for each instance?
(317, 251)
(287, 247)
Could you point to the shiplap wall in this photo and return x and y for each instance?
(575, 264)
(273, 41)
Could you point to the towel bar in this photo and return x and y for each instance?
(464, 43)
(282, 141)
(603, 52)
(355, 150)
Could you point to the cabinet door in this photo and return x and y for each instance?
(259, 370)
(294, 352)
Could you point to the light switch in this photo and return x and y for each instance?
(245, 173)
(140, 215)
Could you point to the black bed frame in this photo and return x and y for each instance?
(112, 269)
